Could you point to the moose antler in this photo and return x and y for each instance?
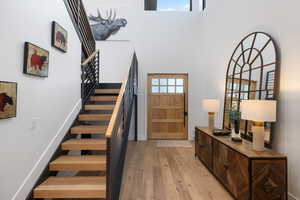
(98, 18)
(115, 15)
(111, 16)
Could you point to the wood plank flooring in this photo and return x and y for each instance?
(167, 173)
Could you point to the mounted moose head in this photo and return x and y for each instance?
(104, 28)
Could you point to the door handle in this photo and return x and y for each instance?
(185, 113)
(184, 116)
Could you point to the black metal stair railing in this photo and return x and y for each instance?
(90, 57)
(118, 132)
(89, 76)
(81, 23)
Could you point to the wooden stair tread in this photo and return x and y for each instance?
(88, 129)
(72, 187)
(99, 107)
(94, 117)
(103, 98)
(84, 144)
(79, 163)
(107, 91)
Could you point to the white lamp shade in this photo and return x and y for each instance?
(259, 110)
(211, 105)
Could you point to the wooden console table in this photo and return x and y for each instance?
(245, 173)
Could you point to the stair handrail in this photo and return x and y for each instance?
(118, 130)
(117, 108)
(132, 71)
(93, 55)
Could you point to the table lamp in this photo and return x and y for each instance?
(259, 111)
(211, 106)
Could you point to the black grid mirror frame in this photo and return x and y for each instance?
(252, 73)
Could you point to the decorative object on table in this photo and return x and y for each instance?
(104, 28)
(59, 37)
(8, 99)
(221, 132)
(235, 117)
(36, 60)
(211, 106)
(259, 111)
(252, 73)
(247, 140)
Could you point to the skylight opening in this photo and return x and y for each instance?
(174, 5)
(169, 5)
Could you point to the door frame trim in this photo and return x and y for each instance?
(186, 137)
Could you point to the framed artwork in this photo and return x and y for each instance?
(59, 37)
(36, 60)
(8, 99)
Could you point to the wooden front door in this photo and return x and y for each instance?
(167, 106)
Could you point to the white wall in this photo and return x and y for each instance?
(224, 24)
(201, 45)
(54, 101)
(115, 59)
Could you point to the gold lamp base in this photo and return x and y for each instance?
(211, 120)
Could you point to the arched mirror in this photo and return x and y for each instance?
(253, 73)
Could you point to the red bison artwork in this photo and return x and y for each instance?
(37, 61)
(4, 99)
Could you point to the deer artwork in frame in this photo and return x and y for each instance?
(105, 28)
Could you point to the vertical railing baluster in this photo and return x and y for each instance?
(90, 70)
(89, 76)
(98, 67)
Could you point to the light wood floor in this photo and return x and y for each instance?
(167, 173)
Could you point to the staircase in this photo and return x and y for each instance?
(92, 183)
(91, 161)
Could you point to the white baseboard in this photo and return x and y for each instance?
(43, 161)
(292, 197)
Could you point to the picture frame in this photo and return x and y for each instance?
(8, 99)
(59, 37)
(36, 60)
